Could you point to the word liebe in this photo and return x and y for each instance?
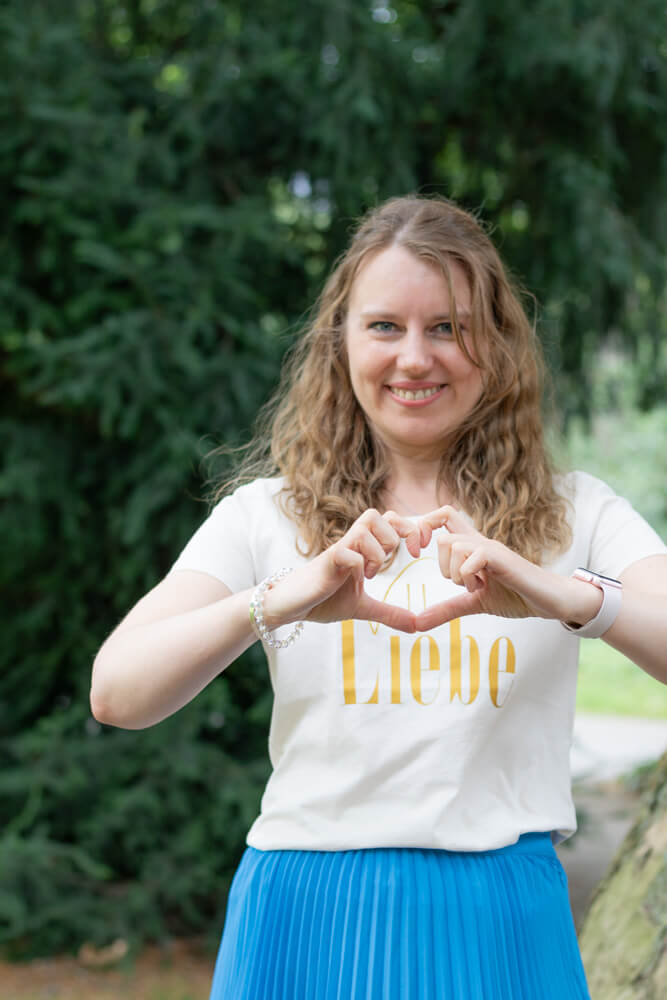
(368, 664)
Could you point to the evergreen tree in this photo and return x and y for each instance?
(176, 178)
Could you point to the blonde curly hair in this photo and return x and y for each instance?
(495, 466)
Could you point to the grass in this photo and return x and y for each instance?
(610, 684)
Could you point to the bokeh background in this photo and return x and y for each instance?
(176, 178)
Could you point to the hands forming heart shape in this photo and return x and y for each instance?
(497, 580)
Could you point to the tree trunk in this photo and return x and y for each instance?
(623, 939)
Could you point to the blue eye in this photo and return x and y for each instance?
(445, 328)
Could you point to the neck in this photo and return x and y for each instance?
(413, 483)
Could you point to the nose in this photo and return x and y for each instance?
(416, 351)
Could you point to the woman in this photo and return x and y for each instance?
(423, 713)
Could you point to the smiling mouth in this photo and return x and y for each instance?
(412, 394)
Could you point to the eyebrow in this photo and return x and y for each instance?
(460, 313)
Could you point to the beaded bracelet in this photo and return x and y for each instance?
(257, 612)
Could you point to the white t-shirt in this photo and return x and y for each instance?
(458, 738)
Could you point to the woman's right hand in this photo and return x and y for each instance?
(330, 588)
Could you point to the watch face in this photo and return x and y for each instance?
(597, 578)
(610, 580)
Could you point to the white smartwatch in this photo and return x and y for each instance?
(611, 604)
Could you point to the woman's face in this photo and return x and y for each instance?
(409, 375)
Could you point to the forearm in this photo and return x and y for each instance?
(144, 673)
(640, 631)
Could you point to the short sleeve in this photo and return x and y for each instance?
(619, 534)
(221, 547)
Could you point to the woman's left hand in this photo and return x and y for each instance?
(498, 581)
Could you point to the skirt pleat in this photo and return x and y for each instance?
(406, 923)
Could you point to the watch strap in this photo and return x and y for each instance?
(611, 605)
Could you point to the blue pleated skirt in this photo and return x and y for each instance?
(400, 923)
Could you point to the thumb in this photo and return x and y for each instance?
(386, 614)
(455, 607)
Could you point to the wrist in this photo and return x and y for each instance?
(275, 612)
(264, 626)
(584, 602)
(609, 608)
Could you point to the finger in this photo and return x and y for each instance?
(404, 529)
(388, 528)
(474, 581)
(381, 527)
(387, 614)
(346, 560)
(370, 548)
(451, 518)
(425, 533)
(473, 571)
(446, 611)
(460, 551)
(444, 543)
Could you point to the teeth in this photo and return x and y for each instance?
(417, 394)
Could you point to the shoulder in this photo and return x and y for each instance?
(258, 494)
(593, 504)
(256, 509)
(610, 533)
(581, 487)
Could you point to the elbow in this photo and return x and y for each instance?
(111, 709)
(100, 706)
(99, 709)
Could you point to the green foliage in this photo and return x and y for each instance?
(176, 176)
(624, 446)
(165, 808)
(621, 443)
